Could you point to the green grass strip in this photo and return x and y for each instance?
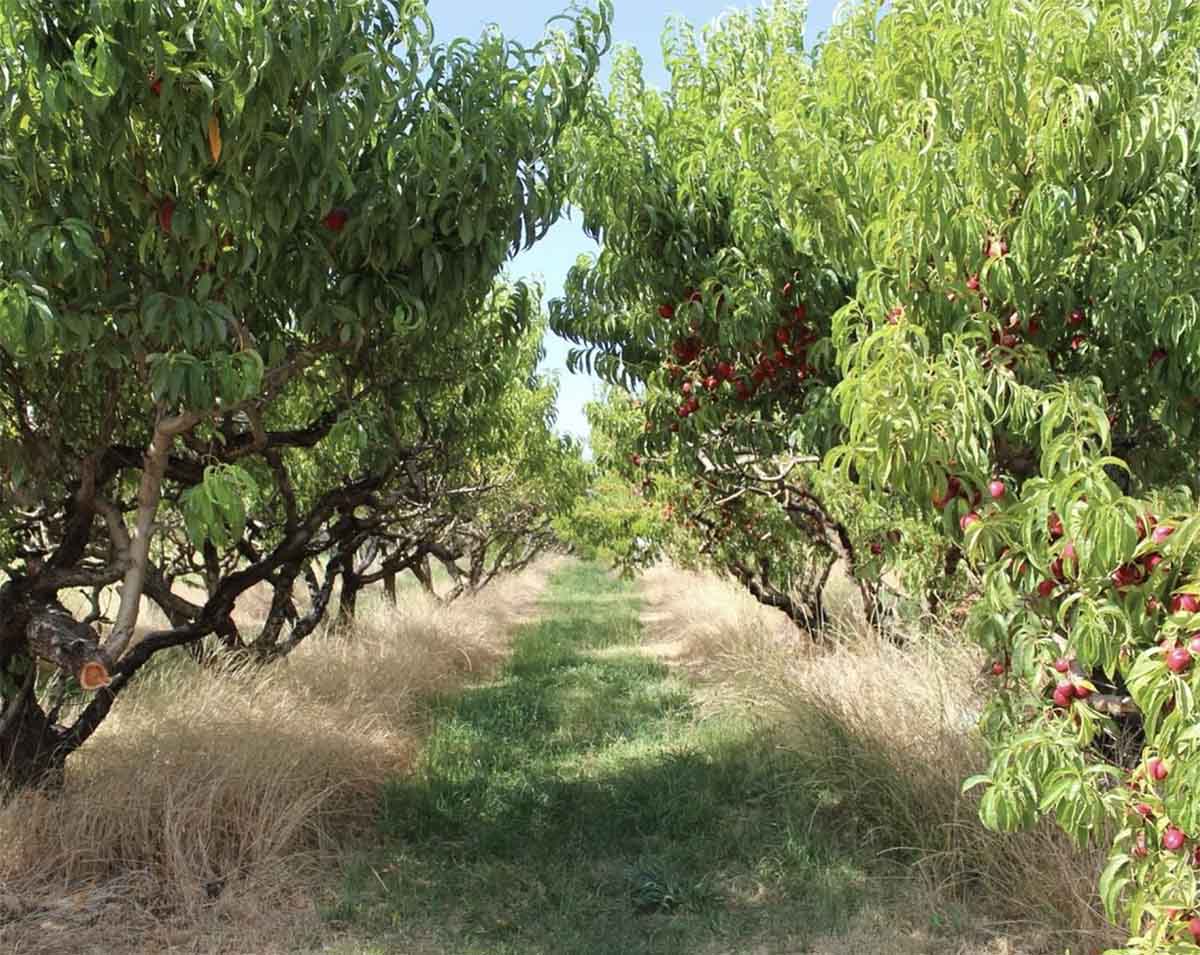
(577, 804)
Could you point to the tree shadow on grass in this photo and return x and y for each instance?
(578, 805)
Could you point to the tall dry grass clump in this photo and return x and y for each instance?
(212, 798)
(886, 735)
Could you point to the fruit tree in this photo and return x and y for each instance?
(950, 253)
(249, 293)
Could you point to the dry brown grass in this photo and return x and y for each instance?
(205, 811)
(886, 734)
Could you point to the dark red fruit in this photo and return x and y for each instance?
(973, 283)
(335, 220)
(1077, 342)
(666, 311)
(1064, 694)
(1046, 588)
(968, 519)
(1127, 575)
(166, 212)
(1157, 356)
(1062, 665)
(1055, 525)
(997, 669)
(1173, 839)
(1185, 603)
(997, 490)
(1157, 769)
(1179, 659)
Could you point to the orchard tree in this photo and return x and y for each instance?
(248, 266)
(987, 215)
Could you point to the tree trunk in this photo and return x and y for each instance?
(351, 585)
(31, 750)
(389, 587)
(423, 571)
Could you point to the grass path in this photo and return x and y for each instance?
(576, 804)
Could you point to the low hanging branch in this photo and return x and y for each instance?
(58, 638)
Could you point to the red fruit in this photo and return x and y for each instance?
(1173, 839)
(711, 383)
(1127, 575)
(636, 460)
(156, 86)
(1185, 603)
(1157, 769)
(997, 669)
(1161, 533)
(799, 313)
(335, 219)
(1077, 342)
(1082, 692)
(876, 548)
(1151, 562)
(683, 410)
(997, 489)
(666, 311)
(786, 291)
(686, 388)
(1055, 525)
(166, 212)
(1062, 664)
(1194, 928)
(1194, 643)
(1064, 694)
(1034, 326)
(744, 391)
(782, 335)
(1069, 551)
(1076, 318)
(968, 519)
(973, 283)
(724, 370)
(1139, 849)
(1157, 356)
(1145, 525)
(1179, 659)
(1046, 588)
(1056, 569)
(1143, 809)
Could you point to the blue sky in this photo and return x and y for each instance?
(637, 22)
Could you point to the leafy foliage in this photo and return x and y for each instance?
(253, 314)
(950, 253)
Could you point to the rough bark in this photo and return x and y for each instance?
(55, 636)
(31, 751)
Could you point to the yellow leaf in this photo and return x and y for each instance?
(214, 137)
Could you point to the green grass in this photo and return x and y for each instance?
(577, 804)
